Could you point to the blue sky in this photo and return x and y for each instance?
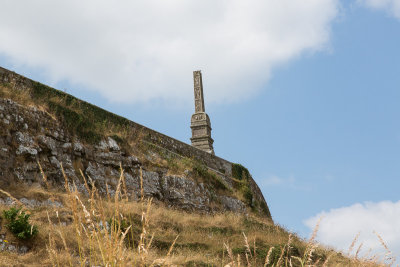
(310, 104)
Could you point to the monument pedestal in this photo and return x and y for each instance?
(200, 122)
(201, 132)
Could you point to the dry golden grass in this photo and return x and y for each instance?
(114, 231)
(95, 230)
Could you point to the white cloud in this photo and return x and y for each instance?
(147, 49)
(276, 180)
(339, 227)
(392, 7)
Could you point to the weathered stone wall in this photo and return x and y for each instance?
(28, 135)
(216, 163)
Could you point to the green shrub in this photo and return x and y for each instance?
(18, 223)
(240, 172)
(248, 195)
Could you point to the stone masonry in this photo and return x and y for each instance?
(200, 122)
(28, 135)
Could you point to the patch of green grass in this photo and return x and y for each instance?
(172, 161)
(161, 244)
(243, 187)
(41, 91)
(248, 195)
(242, 176)
(192, 246)
(87, 121)
(265, 209)
(240, 172)
(77, 123)
(202, 171)
(252, 224)
(171, 226)
(226, 231)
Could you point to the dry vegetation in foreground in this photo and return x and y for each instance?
(94, 230)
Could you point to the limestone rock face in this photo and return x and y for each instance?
(28, 135)
(179, 191)
(233, 204)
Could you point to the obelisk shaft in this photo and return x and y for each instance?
(198, 92)
(200, 122)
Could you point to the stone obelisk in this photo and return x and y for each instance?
(200, 122)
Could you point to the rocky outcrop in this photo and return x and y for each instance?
(7, 247)
(31, 203)
(30, 135)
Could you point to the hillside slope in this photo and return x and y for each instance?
(41, 124)
(105, 191)
(79, 230)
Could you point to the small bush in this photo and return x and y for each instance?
(240, 172)
(18, 223)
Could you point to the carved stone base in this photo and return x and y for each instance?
(201, 132)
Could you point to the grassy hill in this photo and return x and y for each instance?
(85, 226)
(97, 231)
